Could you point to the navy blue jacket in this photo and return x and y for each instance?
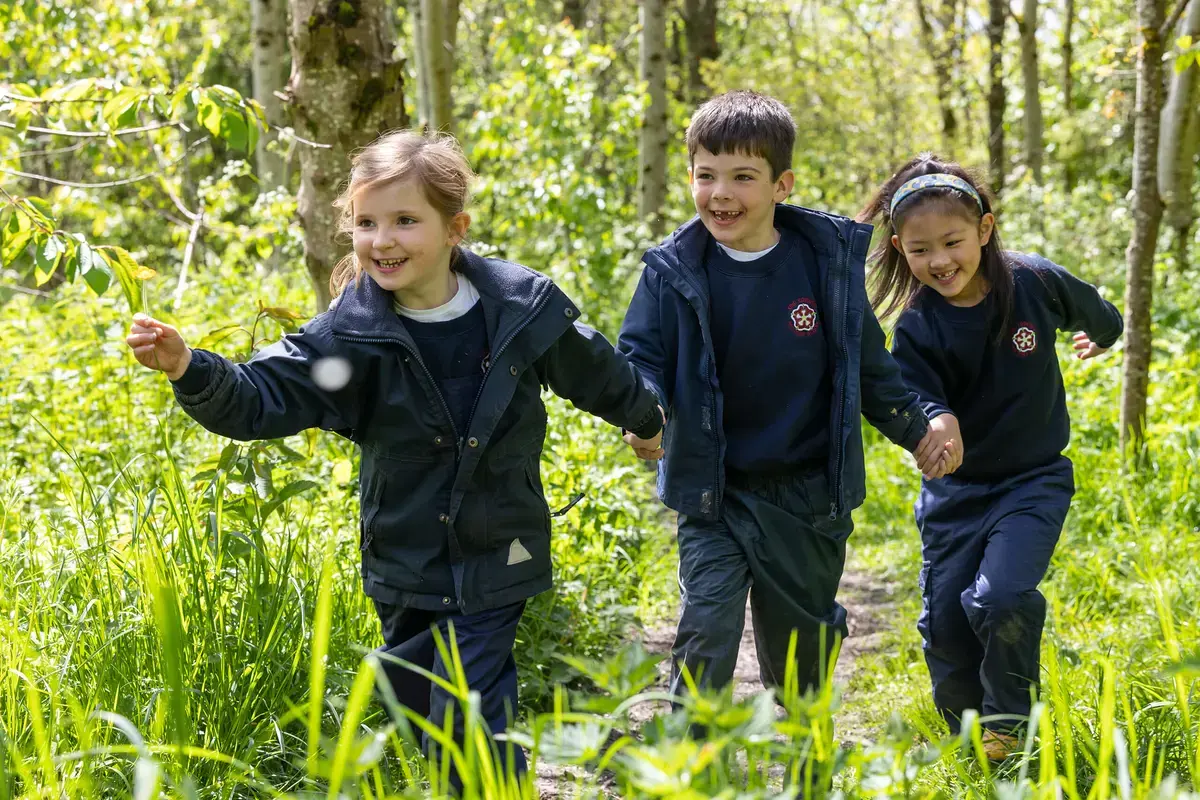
(1007, 391)
(668, 337)
(440, 507)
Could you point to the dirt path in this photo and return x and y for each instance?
(868, 603)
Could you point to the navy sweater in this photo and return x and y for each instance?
(767, 333)
(1008, 394)
(455, 352)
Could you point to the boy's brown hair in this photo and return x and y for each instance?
(744, 122)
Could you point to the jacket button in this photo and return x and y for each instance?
(443, 518)
(437, 440)
(512, 370)
(445, 601)
(473, 442)
(568, 313)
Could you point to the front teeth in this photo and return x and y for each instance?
(391, 263)
(725, 216)
(945, 277)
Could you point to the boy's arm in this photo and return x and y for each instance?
(887, 401)
(582, 366)
(1082, 307)
(273, 394)
(640, 339)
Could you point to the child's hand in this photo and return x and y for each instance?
(940, 452)
(1086, 348)
(647, 449)
(158, 346)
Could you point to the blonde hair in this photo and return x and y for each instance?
(434, 161)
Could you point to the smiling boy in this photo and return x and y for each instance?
(751, 324)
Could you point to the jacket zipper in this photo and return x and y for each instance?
(494, 357)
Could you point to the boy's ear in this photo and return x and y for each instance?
(987, 224)
(784, 184)
(691, 176)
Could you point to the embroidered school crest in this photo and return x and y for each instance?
(803, 314)
(1024, 339)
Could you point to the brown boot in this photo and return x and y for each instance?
(999, 746)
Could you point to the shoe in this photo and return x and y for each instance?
(999, 746)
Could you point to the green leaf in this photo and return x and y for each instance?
(46, 258)
(233, 130)
(121, 109)
(287, 493)
(129, 274)
(18, 232)
(99, 276)
(213, 337)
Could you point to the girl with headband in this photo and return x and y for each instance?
(975, 339)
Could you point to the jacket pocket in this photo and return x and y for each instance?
(518, 506)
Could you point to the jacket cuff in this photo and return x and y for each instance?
(200, 380)
(649, 425)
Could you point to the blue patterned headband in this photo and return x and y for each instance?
(937, 180)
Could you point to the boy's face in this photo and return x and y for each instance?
(736, 196)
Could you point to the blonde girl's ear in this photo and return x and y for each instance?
(456, 230)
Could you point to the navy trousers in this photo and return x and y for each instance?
(485, 645)
(775, 542)
(985, 549)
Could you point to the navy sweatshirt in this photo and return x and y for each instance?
(1008, 395)
(455, 352)
(767, 333)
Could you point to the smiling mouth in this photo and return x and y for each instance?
(945, 277)
(725, 216)
(390, 264)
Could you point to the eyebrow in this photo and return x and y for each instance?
(396, 213)
(709, 168)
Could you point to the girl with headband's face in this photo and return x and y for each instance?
(942, 241)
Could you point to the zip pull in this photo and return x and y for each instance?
(574, 501)
(833, 510)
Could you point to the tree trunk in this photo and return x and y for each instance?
(268, 38)
(1068, 82)
(437, 49)
(936, 44)
(345, 90)
(1177, 144)
(1147, 214)
(996, 97)
(652, 150)
(422, 66)
(1033, 102)
(700, 19)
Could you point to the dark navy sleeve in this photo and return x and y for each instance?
(641, 340)
(271, 395)
(919, 364)
(1081, 306)
(887, 403)
(582, 366)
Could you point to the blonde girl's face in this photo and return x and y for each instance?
(405, 244)
(943, 249)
